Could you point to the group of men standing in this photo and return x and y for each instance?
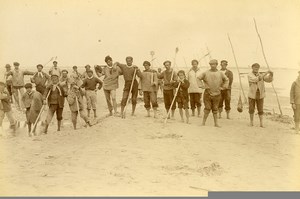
(183, 88)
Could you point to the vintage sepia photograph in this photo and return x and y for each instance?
(149, 97)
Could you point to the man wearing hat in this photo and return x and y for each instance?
(214, 81)
(148, 84)
(295, 101)
(257, 91)
(65, 81)
(5, 107)
(55, 70)
(169, 76)
(33, 102)
(111, 74)
(84, 74)
(75, 101)
(226, 93)
(90, 85)
(56, 99)
(75, 77)
(128, 74)
(40, 79)
(18, 82)
(8, 79)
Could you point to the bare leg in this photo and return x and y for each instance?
(187, 115)
(181, 114)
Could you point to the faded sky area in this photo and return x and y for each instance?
(33, 31)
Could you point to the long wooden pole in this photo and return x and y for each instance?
(263, 52)
(173, 101)
(237, 67)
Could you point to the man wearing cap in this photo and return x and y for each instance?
(18, 82)
(128, 71)
(111, 74)
(40, 79)
(33, 102)
(8, 79)
(75, 77)
(256, 92)
(54, 70)
(169, 76)
(90, 84)
(214, 82)
(195, 88)
(295, 101)
(226, 93)
(75, 101)
(5, 107)
(148, 84)
(65, 81)
(84, 74)
(56, 99)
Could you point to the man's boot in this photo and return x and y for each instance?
(155, 112)
(205, 118)
(261, 121)
(227, 112)
(297, 127)
(89, 123)
(199, 111)
(148, 112)
(58, 125)
(173, 113)
(216, 120)
(95, 113)
(251, 119)
(133, 109)
(46, 129)
(88, 112)
(29, 129)
(193, 112)
(122, 112)
(220, 113)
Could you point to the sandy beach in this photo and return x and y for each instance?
(139, 156)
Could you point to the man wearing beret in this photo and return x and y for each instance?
(54, 70)
(56, 99)
(226, 93)
(257, 91)
(84, 74)
(18, 82)
(33, 102)
(169, 76)
(295, 101)
(65, 81)
(148, 84)
(90, 86)
(40, 79)
(214, 82)
(5, 107)
(128, 70)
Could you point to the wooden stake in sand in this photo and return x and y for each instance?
(42, 110)
(237, 67)
(173, 101)
(262, 48)
(133, 78)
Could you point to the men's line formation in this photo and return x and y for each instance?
(179, 89)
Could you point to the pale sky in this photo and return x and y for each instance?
(33, 31)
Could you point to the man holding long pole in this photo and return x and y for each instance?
(131, 84)
(169, 77)
(214, 82)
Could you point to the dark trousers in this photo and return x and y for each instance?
(211, 103)
(150, 97)
(297, 113)
(54, 108)
(259, 104)
(168, 97)
(134, 93)
(195, 100)
(225, 97)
